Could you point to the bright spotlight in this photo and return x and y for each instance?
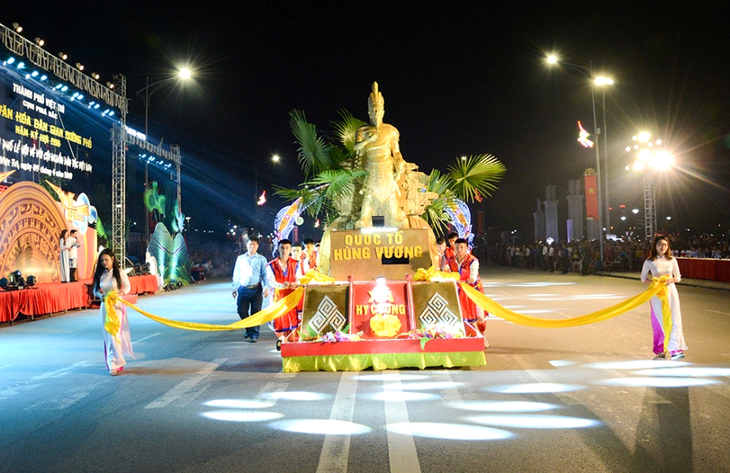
(39, 42)
(10, 60)
(552, 59)
(242, 416)
(184, 73)
(663, 160)
(645, 155)
(110, 85)
(17, 28)
(534, 388)
(535, 421)
(79, 66)
(321, 427)
(448, 431)
(600, 80)
(643, 137)
(63, 55)
(95, 75)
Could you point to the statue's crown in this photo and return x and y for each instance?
(376, 100)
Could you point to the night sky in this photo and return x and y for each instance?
(459, 78)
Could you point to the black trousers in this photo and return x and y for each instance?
(248, 303)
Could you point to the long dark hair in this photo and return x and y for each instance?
(100, 269)
(63, 235)
(653, 253)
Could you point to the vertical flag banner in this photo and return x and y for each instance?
(591, 194)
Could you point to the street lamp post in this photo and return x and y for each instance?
(274, 159)
(183, 74)
(596, 81)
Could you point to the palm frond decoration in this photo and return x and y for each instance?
(474, 174)
(345, 129)
(313, 150)
(435, 213)
(311, 196)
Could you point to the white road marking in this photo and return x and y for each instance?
(401, 447)
(186, 387)
(336, 448)
(268, 393)
(60, 372)
(30, 385)
(146, 338)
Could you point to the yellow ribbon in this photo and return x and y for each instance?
(657, 288)
(259, 318)
(314, 275)
(432, 274)
(384, 325)
(112, 322)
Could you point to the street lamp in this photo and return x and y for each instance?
(274, 159)
(596, 81)
(648, 160)
(182, 74)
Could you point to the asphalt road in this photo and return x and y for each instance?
(587, 398)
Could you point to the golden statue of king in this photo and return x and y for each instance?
(392, 189)
(378, 153)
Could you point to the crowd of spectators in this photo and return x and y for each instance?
(217, 257)
(584, 256)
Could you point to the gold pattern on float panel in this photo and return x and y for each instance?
(325, 308)
(437, 303)
(30, 226)
(327, 315)
(437, 313)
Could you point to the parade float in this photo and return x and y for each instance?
(374, 302)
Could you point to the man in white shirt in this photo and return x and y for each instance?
(248, 276)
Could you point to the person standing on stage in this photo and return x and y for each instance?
(248, 276)
(109, 277)
(73, 253)
(63, 245)
(467, 265)
(661, 263)
(283, 279)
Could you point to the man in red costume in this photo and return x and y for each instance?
(283, 277)
(467, 265)
(310, 255)
(451, 240)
